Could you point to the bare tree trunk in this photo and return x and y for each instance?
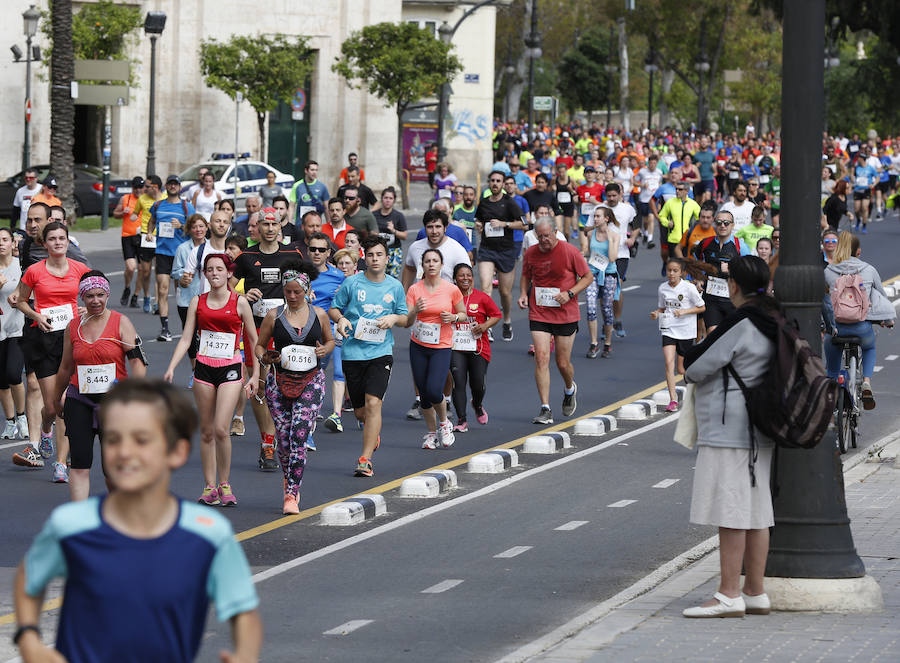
(401, 182)
(667, 77)
(516, 87)
(62, 107)
(261, 125)
(623, 73)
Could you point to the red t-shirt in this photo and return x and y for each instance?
(560, 268)
(480, 307)
(569, 161)
(596, 190)
(336, 237)
(51, 291)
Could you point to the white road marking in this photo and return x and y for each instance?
(348, 627)
(20, 443)
(569, 526)
(512, 552)
(631, 287)
(442, 586)
(891, 357)
(620, 504)
(878, 368)
(665, 483)
(119, 273)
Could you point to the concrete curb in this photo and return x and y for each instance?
(354, 510)
(493, 462)
(661, 397)
(549, 443)
(428, 484)
(595, 425)
(637, 410)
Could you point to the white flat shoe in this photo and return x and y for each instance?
(726, 607)
(757, 605)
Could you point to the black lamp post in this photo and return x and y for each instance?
(533, 42)
(610, 70)
(650, 67)
(831, 59)
(31, 16)
(154, 24)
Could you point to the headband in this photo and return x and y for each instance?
(300, 277)
(92, 282)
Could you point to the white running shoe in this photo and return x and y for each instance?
(445, 434)
(22, 426)
(11, 430)
(430, 441)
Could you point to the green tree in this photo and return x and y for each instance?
(62, 106)
(399, 63)
(582, 81)
(264, 69)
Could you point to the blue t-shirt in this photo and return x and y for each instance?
(452, 231)
(749, 170)
(358, 297)
(502, 167)
(326, 285)
(168, 239)
(306, 194)
(704, 160)
(523, 182)
(138, 600)
(885, 175)
(519, 235)
(863, 177)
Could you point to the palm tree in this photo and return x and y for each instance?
(62, 106)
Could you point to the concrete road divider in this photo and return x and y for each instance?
(428, 484)
(549, 443)
(354, 510)
(595, 425)
(892, 290)
(661, 397)
(493, 462)
(636, 411)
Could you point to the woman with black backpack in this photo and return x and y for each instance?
(731, 479)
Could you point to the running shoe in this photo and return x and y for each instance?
(429, 441)
(334, 423)
(210, 496)
(133, 303)
(445, 434)
(377, 444)
(154, 309)
(480, 414)
(226, 496)
(22, 425)
(619, 329)
(865, 230)
(60, 473)
(651, 244)
(348, 406)
(311, 444)
(414, 413)
(28, 457)
(569, 402)
(606, 350)
(593, 351)
(868, 398)
(46, 444)
(11, 430)
(507, 332)
(146, 305)
(165, 336)
(291, 505)
(461, 427)
(126, 295)
(531, 350)
(363, 467)
(267, 462)
(237, 426)
(491, 335)
(545, 416)
(672, 406)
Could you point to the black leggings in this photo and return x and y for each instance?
(81, 430)
(471, 366)
(192, 348)
(12, 361)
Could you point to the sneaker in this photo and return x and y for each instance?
(363, 467)
(28, 457)
(237, 426)
(531, 350)
(311, 444)
(633, 250)
(165, 336)
(865, 230)
(226, 496)
(154, 310)
(606, 350)
(22, 425)
(619, 329)
(507, 332)
(868, 398)
(210, 496)
(334, 424)
(569, 402)
(461, 427)
(11, 430)
(146, 305)
(593, 351)
(491, 335)
(60, 473)
(46, 445)
(126, 295)
(267, 462)
(291, 506)
(672, 406)
(545, 416)
(348, 406)
(414, 413)
(651, 244)
(429, 441)
(133, 303)
(481, 414)
(445, 434)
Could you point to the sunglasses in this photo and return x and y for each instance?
(30, 178)
(827, 241)
(318, 249)
(349, 197)
(718, 222)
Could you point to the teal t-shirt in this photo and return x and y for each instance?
(358, 297)
(704, 160)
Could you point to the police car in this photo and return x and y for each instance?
(251, 176)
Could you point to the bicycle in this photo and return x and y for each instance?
(850, 396)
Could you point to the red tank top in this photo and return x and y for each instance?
(92, 359)
(225, 320)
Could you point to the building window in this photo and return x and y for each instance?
(426, 24)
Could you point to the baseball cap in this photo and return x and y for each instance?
(565, 134)
(50, 181)
(269, 212)
(173, 178)
(590, 169)
(137, 182)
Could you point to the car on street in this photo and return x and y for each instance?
(88, 189)
(251, 175)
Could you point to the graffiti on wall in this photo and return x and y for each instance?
(469, 126)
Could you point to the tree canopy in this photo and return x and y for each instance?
(582, 80)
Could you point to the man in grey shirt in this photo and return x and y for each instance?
(356, 215)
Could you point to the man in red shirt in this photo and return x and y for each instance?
(553, 273)
(590, 194)
(337, 227)
(431, 159)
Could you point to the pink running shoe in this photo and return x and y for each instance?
(672, 406)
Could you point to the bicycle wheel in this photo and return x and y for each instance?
(844, 426)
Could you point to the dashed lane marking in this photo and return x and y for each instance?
(878, 368)
(891, 357)
(665, 483)
(569, 526)
(620, 504)
(442, 586)
(512, 552)
(631, 287)
(348, 627)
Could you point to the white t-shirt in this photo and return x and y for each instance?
(625, 214)
(23, 200)
(191, 266)
(624, 177)
(452, 252)
(649, 181)
(669, 158)
(530, 239)
(741, 213)
(875, 163)
(682, 296)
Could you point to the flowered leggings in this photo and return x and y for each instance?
(295, 421)
(395, 262)
(610, 281)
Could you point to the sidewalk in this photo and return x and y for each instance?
(651, 628)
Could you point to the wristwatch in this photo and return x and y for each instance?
(571, 294)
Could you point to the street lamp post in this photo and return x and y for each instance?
(831, 58)
(650, 67)
(610, 70)
(702, 66)
(154, 24)
(533, 42)
(31, 16)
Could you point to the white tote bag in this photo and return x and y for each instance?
(686, 428)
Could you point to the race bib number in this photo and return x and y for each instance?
(564, 197)
(148, 241)
(469, 234)
(598, 261)
(445, 193)
(96, 378)
(463, 338)
(58, 316)
(545, 297)
(270, 275)
(298, 358)
(491, 231)
(304, 209)
(587, 209)
(216, 345)
(665, 321)
(367, 330)
(717, 287)
(428, 333)
(862, 180)
(763, 179)
(733, 174)
(776, 201)
(262, 306)
(165, 229)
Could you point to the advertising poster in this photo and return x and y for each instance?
(416, 139)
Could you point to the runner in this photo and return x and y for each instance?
(309, 194)
(698, 232)
(190, 284)
(565, 190)
(205, 198)
(558, 272)
(471, 348)
(590, 194)
(392, 227)
(678, 306)
(147, 250)
(295, 388)
(718, 251)
(677, 216)
(365, 308)
(624, 214)
(757, 229)
(12, 361)
(604, 247)
(95, 348)
(54, 284)
(220, 318)
(434, 305)
(131, 238)
(23, 198)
